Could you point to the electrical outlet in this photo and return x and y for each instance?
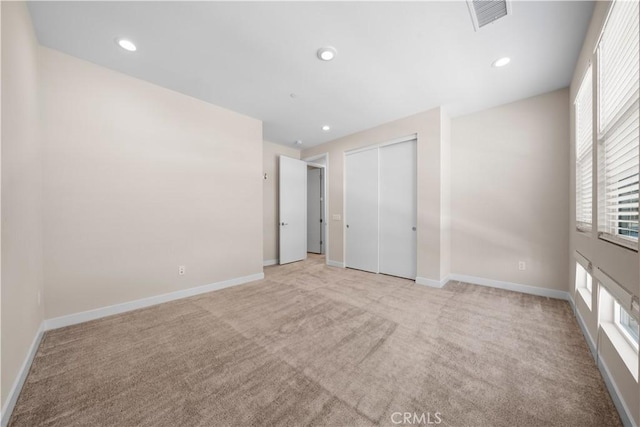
(181, 270)
(522, 266)
(336, 217)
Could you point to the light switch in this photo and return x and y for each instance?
(336, 217)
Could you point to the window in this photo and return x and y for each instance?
(584, 150)
(584, 284)
(627, 325)
(618, 125)
(612, 322)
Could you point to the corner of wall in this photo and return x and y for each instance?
(445, 194)
(21, 200)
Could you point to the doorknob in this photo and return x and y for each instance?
(413, 228)
(347, 225)
(284, 223)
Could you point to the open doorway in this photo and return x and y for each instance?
(315, 210)
(316, 206)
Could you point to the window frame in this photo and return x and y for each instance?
(584, 279)
(626, 111)
(581, 226)
(617, 312)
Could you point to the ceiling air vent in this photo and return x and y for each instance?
(484, 12)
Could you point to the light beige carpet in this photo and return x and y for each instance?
(316, 345)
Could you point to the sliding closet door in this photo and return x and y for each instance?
(398, 209)
(361, 210)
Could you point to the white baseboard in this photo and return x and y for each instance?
(432, 283)
(583, 327)
(14, 392)
(85, 316)
(335, 263)
(510, 286)
(614, 392)
(616, 396)
(268, 262)
(572, 303)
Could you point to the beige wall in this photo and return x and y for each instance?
(270, 154)
(137, 181)
(427, 127)
(620, 263)
(510, 192)
(21, 192)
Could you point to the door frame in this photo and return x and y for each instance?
(310, 161)
(375, 146)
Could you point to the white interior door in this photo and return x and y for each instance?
(398, 210)
(293, 210)
(314, 210)
(361, 210)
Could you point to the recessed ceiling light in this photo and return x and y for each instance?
(501, 62)
(127, 45)
(327, 53)
(326, 128)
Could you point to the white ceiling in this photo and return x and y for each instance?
(394, 58)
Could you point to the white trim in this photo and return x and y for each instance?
(618, 240)
(85, 316)
(586, 296)
(616, 396)
(583, 327)
(22, 376)
(604, 25)
(325, 195)
(510, 286)
(316, 157)
(572, 303)
(335, 263)
(344, 211)
(626, 351)
(584, 262)
(617, 291)
(412, 137)
(268, 262)
(432, 283)
(627, 336)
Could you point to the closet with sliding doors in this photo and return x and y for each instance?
(380, 208)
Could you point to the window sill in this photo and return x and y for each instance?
(626, 351)
(586, 296)
(633, 246)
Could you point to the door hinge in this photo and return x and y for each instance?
(320, 219)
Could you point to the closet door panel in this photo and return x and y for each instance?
(361, 210)
(398, 209)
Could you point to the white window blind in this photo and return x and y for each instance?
(619, 124)
(584, 152)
